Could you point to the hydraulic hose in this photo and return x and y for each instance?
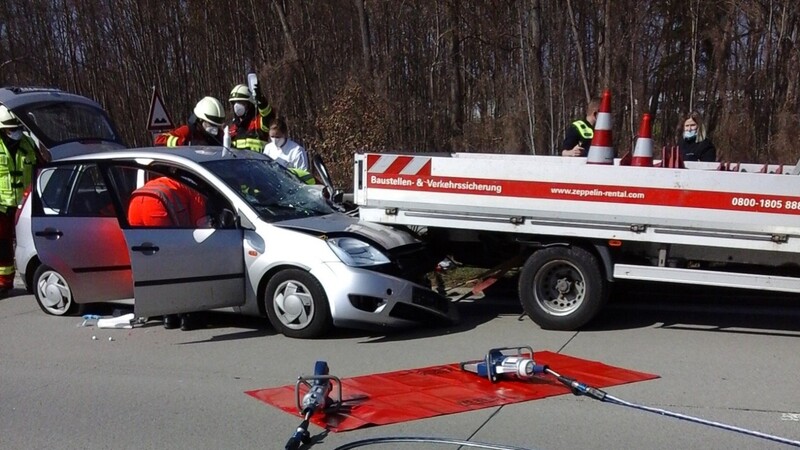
(425, 440)
(579, 388)
(611, 399)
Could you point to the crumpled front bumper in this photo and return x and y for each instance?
(361, 298)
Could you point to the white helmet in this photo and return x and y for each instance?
(240, 93)
(210, 110)
(8, 119)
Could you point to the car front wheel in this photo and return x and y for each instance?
(296, 304)
(52, 292)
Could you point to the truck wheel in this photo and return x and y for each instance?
(562, 288)
(296, 304)
(52, 292)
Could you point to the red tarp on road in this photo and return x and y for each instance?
(392, 397)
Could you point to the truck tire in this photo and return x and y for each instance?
(562, 288)
(296, 304)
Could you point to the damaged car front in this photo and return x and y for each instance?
(358, 274)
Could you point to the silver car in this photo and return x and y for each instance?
(271, 246)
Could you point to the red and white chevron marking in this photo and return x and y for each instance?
(399, 165)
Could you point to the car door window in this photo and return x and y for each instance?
(75, 191)
(164, 197)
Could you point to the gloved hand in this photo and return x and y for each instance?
(261, 101)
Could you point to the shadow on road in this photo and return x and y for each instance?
(702, 308)
(632, 305)
(644, 305)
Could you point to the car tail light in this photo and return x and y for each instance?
(25, 196)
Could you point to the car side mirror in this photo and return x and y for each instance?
(322, 172)
(226, 218)
(244, 222)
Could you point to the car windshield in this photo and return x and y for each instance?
(273, 192)
(58, 123)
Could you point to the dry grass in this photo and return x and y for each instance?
(467, 277)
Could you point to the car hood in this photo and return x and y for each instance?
(77, 148)
(387, 237)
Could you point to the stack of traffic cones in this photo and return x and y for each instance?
(643, 152)
(671, 158)
(602, 151)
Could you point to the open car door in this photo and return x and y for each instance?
(178, 268)
(77, 235)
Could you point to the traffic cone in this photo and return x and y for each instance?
(602, 151)
(643, 152)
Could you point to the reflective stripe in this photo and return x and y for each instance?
(177, 211)
(172, 141)
(16, 172)
(254, 144)
(303, 175)
(584, 129)
(6, 270)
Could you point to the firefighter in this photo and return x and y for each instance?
(579, 135)
(17, 160)
(204, 126)
(168, 203)
(249, 127)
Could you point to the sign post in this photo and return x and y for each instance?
(158, 120)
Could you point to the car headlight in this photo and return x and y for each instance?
(357, 253)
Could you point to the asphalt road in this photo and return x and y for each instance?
(731, 358)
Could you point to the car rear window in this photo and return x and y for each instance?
(58, 123)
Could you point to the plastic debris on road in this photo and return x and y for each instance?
(116, 322)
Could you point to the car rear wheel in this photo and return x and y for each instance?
(296, 304)
(52, 292)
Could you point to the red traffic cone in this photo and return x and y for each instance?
(643, 152)
(602, 151)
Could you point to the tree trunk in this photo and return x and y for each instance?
(366, 44)
(456, 68)
(540, 140)
(579, 51)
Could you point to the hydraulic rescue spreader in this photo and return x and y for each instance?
(506, 361)
(316, 400)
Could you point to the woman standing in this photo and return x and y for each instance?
(695, 144)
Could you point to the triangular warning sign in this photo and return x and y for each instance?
(158, 119)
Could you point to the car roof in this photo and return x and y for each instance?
(15, 96)
(196, 153)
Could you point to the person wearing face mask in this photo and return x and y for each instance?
(695, 144)
(283, 150)
(17, 162)
(204, 126)
(249, 127)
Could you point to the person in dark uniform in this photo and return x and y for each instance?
(695, 144)
(580, 132)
